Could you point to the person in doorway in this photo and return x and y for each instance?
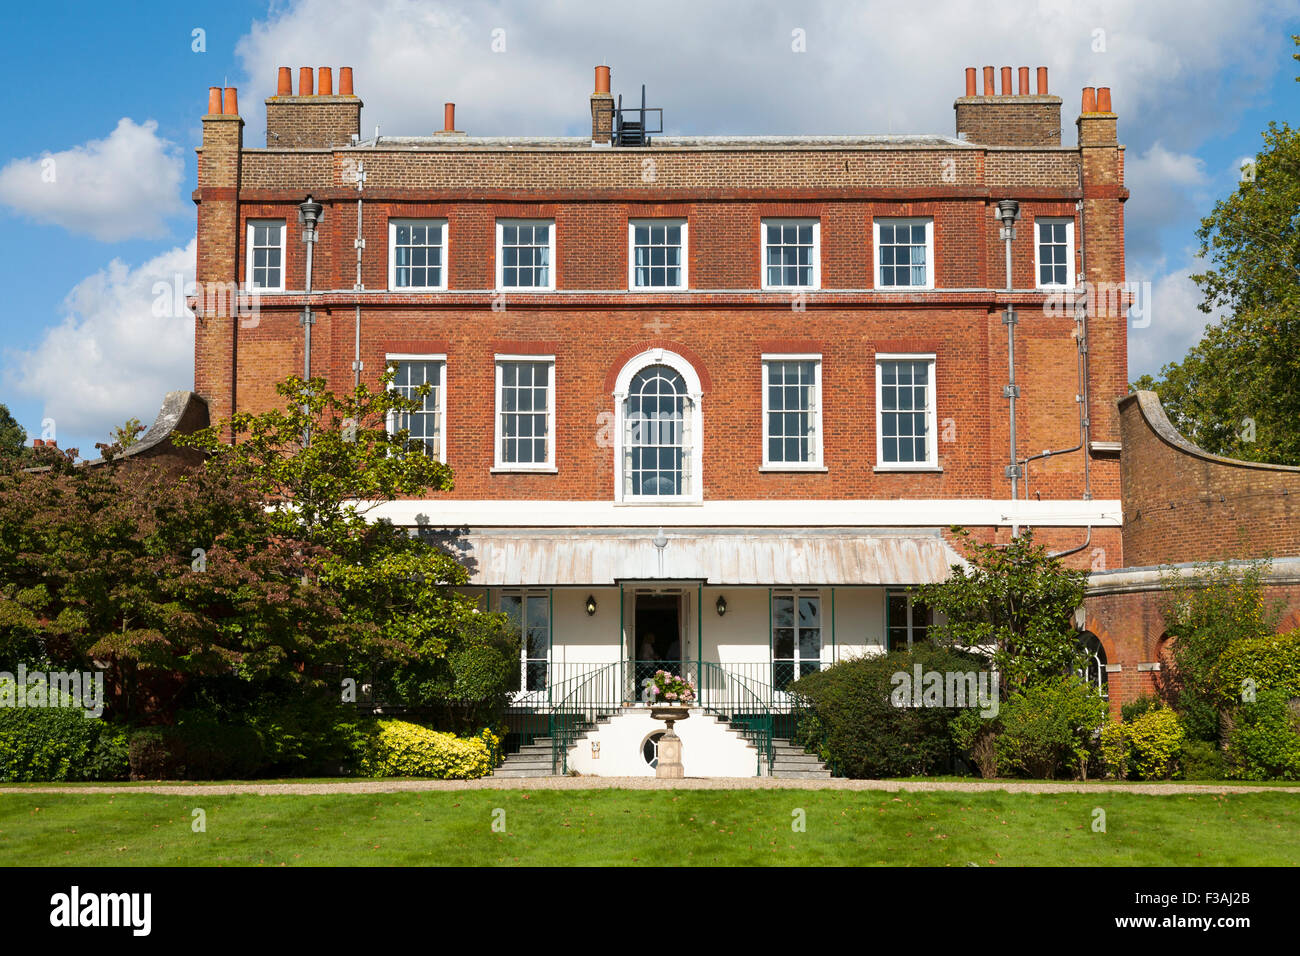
(647, 650)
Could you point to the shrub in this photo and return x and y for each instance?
(1271, 662)
(311, 736)
(110, 758)
(1137, 707)
(401, 749)
(853, 725)
(197, 749)
(976, 737)
(1202, 760)
(1114, 750)
(1050, 728)
(1264, 741)
(1156, 743)
(46, 743)
(155, 754)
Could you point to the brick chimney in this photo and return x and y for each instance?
(1009, 118)
(316, 117)
(1097, 123)
(602, 110)
(218, 241)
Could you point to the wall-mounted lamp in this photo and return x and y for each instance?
(591, 606)
(721, 605)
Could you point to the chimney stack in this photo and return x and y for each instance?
(1097, 123)
(1015, 117)
(449, 121)
(602, 110)
(317, 117)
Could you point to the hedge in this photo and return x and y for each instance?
(402, 749)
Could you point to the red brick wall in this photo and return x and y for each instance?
(1182, 504)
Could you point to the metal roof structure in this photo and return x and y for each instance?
(778, 557)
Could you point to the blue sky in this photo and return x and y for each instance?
(114, 96)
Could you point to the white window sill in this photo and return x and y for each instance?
(651, 289)
(908, 468)
(903, 288)
(659, 503)
(791, 288)
(412, 288)
(795, 468)
(525, 290)
(517, 470)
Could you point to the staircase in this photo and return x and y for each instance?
(532, 760)
(789, 762)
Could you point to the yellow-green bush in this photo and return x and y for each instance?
(401, 749)
(1115, 746)
(1145, 748)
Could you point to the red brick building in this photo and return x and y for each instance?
(708, 400)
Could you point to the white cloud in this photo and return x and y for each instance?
(1176, 321)
(1166, 187)
(1178, 70)
(113, 356)
(120, 187)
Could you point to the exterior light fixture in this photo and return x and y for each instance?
(721, 605)
(591, 605)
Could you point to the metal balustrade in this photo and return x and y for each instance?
(749, 695)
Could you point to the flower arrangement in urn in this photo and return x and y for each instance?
(664, 689)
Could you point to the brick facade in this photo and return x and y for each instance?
(592, 323)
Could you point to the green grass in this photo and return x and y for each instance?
(639, 828)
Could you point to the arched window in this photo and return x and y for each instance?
(1094, 671)
(657, 445)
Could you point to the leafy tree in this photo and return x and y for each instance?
(1018, 603)
(12, 435)
(122, 438)
(327, 461)
(1237, 392)
(161, 578)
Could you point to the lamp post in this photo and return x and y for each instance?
(309, 214)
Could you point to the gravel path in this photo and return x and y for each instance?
(649, 783)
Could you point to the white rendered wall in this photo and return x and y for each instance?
(709, 748)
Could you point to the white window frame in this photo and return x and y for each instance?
(392, 254)
(694, 493)
(500, 267)
(391, 423)
(248, 254)
(522, 693)
(932, 438)
(823, 645)
(510, 466)
(816, 464)
(816, 224)
(929, 252)
(912, 601)
(631, 255)
(1069, 252)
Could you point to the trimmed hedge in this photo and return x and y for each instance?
(402, 749)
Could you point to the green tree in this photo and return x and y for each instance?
(13, 437)
(1016, 601)
(326, 462)
(1237, 391)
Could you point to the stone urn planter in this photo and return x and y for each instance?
(669, 765)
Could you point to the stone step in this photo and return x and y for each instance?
(504, 771)
(792, 756)
(781, 774)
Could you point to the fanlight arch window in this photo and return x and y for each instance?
(1094, 670)
(658, 453)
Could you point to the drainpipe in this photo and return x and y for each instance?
(1008, 213)
(360, 244)
(309, 214)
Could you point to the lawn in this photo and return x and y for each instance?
(646, 828)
